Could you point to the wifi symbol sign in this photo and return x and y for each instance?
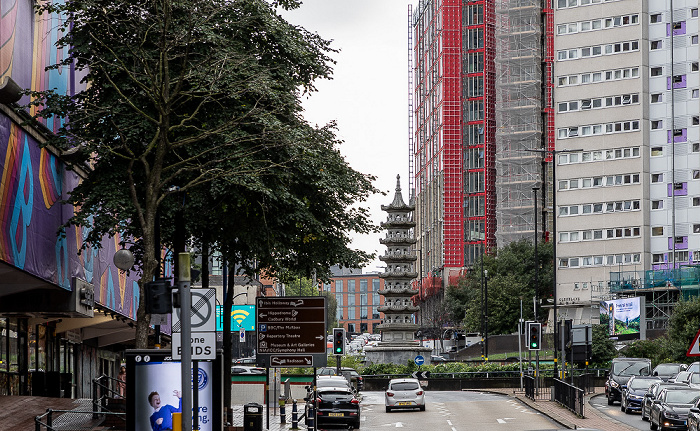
(239, 316)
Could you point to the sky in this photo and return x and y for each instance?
(368, 95)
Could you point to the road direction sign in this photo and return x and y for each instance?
(291, 329)
(419, 360)
(420, 374)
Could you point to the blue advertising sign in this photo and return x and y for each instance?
(242, 317)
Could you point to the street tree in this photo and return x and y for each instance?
(184, 99)
(683, 325)
(507, 277)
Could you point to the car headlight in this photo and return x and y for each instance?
(671, 415)
(614, 384)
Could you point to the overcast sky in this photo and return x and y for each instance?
(368, 95)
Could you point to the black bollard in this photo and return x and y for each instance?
(283, 413)
(295, 419)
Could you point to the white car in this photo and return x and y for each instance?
(404, 394)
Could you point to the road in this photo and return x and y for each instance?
(455, 411)
(600, 403)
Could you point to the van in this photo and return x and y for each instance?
(620, 372)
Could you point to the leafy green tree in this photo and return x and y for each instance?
(191, 104)
(656, 350)
(510, 280)
(603, 348)
(682, 327)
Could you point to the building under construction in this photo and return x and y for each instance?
(477, 108)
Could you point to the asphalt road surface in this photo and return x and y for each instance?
(455, 411)
(600, 403)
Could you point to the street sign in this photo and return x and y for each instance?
(694, 349)
(241, 335)
(291, 329)
(420, 374)
(419, 360)
(203, 335)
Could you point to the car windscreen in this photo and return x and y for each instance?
(404, 386)
(624, 368)
(640, 383)
(335, 395)
(695, 378)
(681, 397)
(329, 383)
(667, 369)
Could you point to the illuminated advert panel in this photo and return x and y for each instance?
(154, 391)
(624, 318)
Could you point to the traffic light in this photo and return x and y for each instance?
(158, 298)
(534, 335)
(338, 341)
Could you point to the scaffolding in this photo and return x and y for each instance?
(519, 117)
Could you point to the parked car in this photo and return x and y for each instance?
(633, 394)
(242, 369)
(670, 409)
(337, 406)
(620, 372)
(668, 370)
(652, 393)
(404, 394)
(694, 380)
(250, 360)
(437, 358)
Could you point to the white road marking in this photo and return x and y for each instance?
(500, 421)
(449, 423)
(399, 425)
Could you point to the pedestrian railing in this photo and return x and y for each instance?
(72, 420)
(569, 396)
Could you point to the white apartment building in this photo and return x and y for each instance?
(626, 102)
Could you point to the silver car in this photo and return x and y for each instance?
(404, 394)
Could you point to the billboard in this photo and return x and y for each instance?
(154, 391)
(242, 317)
(624, 318)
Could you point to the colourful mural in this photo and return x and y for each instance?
(33, 181)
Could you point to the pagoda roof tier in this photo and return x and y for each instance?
(398, 258)
(399, 275)
(398, 309)
(397, 241)
(402, 224)
(401, 291)
(398, 203)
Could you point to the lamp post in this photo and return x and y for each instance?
(554, 235)
(486, 313)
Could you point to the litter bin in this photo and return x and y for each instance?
(252, 417)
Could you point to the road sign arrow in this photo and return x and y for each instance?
(261, 315)
(320, 337)
(420, 374)
(308, 361)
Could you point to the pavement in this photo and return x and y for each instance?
(18, 412)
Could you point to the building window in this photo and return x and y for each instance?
(657, 178)
(655, 125)
(656, 71)
(657, 231)
(351, 286)
(657, 205)
(657, 151)
(656, 98)
(655, 18)
(656, 44)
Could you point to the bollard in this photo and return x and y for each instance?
(283, 413)
(310, 418)
(295, 420)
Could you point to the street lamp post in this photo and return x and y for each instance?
(554, 237)
(486, 313)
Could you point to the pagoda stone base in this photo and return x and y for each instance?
(396, 353)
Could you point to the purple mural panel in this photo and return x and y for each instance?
(678, 135)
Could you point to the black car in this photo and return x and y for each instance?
(694, 417)
(337, 406)
(633, 394)
(669, 411)
(668, 370)
(620, 372)
(652, 393)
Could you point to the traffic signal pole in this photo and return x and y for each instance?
(183, 284)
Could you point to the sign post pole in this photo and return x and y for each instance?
(183, 284)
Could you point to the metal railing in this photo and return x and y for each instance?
(569, 396)
(89, 415)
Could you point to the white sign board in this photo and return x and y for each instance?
(203, 319)
(203, 346)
